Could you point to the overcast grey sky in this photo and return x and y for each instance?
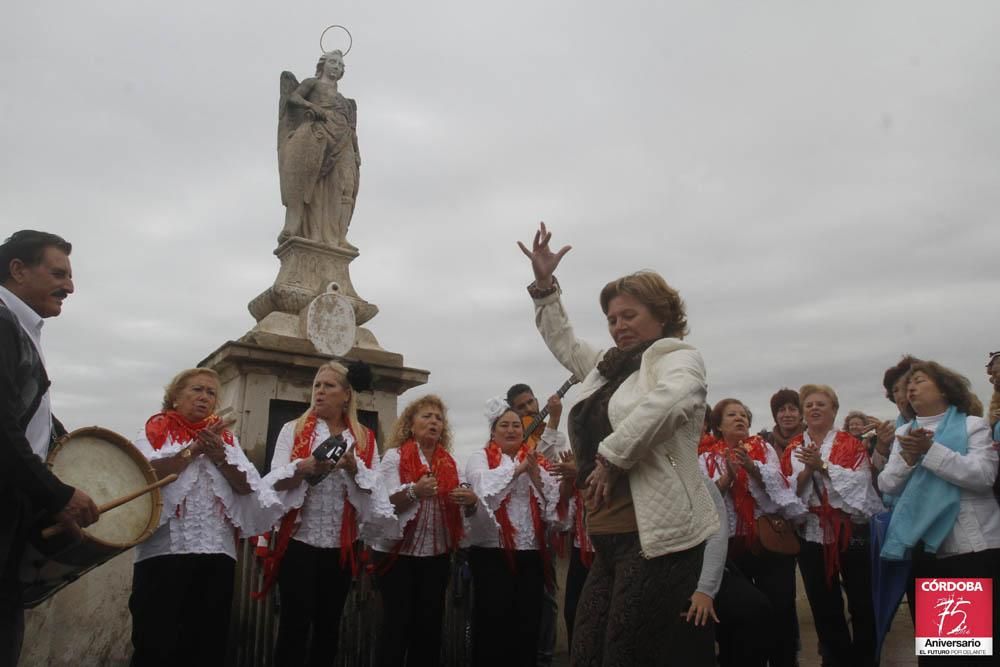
(819, 182)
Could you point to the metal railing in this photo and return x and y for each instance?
(254, 623)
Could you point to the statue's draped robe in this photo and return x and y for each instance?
(318, 164)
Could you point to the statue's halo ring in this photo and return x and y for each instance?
(350, 39)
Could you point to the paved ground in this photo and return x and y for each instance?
(898, 650)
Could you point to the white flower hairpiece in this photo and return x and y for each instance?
(495, 407)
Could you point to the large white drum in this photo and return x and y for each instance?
(106, 466)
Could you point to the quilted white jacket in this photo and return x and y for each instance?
(657, 416)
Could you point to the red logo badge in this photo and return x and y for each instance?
(954, 617)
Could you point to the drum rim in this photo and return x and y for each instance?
(144, 465)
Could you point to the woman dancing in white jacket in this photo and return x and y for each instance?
(635, 433)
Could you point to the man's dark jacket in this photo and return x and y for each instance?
(27, 487)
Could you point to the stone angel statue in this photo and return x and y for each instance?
(318, 158)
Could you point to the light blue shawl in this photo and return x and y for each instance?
(928, 506)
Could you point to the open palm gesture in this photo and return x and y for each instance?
(543, 260)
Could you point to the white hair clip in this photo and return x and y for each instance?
(495, 407)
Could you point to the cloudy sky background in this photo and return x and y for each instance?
(819, 182)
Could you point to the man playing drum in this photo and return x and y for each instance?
(35, 277)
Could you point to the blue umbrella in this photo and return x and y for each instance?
(889, 579)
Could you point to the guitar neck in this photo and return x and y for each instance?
(544, 412)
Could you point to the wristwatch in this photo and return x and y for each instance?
(826, 467)
(186, 453)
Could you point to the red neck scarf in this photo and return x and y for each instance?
(301, 449)
(411, 469)
(743, 502)
(847, 452)
(171, 425)
(494, 455)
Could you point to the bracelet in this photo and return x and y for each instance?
(538, 293)
(411, 493)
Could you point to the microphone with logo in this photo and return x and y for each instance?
(330, 450)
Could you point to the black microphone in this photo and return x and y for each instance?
(330, 450)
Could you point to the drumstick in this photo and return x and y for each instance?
(54, 530)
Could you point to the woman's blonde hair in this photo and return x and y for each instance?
(854, 414)
(180, 380)
(809, 389)
(403, 429)
(350, 408)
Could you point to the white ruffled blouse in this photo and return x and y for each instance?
(429, 538)
(494, 485)
(775, 496)
(322, 505)
(849, 490)
(201, 512)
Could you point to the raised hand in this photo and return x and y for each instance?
(211, 445)
(886, 433)
(543, 260)
(743, 459)
(810, 458)
(555, 407)
(747, 463)
(916, 442)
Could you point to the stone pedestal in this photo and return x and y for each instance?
(307, 268)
